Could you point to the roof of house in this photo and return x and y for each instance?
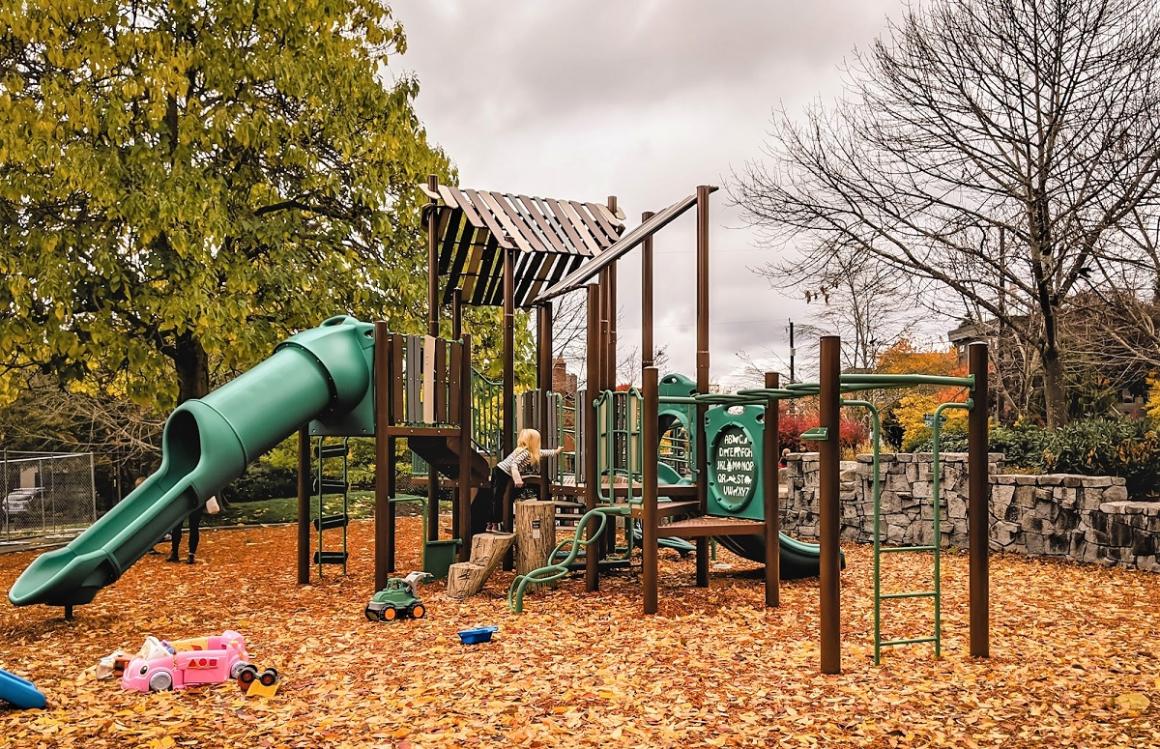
(550, 237)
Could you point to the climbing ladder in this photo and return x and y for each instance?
(935, 547)
(331, 484)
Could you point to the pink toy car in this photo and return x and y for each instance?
(203, 660)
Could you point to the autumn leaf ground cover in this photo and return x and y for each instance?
(1075, 659)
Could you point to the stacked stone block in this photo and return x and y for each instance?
(1081, 518)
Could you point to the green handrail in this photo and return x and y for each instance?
(552, 572)
(619, 435)
(486, 413)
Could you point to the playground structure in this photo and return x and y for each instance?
(717, 459)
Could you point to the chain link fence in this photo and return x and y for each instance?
(45, 494)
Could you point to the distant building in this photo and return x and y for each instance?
(1005, 353)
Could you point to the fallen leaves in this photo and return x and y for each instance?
(1075, 660)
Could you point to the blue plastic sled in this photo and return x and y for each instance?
(19, 692)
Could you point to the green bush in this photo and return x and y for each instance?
(1109, 447)
(1093, 447)
(262, 481)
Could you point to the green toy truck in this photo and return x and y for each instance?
(398, 600)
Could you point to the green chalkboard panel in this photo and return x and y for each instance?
(734, 467)
(734, 436)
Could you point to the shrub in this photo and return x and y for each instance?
(1115, 447)
(1092, 447)
(262, 481)
(790, 426)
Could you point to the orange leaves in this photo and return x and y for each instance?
(1076, 660)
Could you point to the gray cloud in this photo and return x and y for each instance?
(643, 100)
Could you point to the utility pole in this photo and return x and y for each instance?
(792, 352)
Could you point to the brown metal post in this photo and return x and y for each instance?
(830, 581)
(544, 377)
(647, 355)
(457, 314)
(649, 519)
(610, 343)
(509, 352)
(464, 485)
(770, 483)
(702, 371)
(432, 260)
(592, 481)
(303, 506)
(979, 499)
(432, 330)
(384, 454)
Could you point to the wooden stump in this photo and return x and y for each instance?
(535, 534)
(487, 552)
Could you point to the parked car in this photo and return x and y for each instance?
(19, 503)
(208, 660)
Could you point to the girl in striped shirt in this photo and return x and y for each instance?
(524, 460)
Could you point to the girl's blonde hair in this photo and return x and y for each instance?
(530, 440)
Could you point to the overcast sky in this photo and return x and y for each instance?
(643, 100)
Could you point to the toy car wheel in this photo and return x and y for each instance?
(268, 677)
(238, 668)
(389, 614)
(418, 611)
(161, 682)
(371, 615)
(247, 674)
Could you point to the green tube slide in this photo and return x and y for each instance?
(206, 444)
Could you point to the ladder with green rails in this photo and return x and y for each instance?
(333, 484)
(935, 547)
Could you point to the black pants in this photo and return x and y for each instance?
(501, 482)
(194, 533)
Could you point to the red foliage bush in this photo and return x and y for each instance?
(790, 426)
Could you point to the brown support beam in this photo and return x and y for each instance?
(384, 454)
(702, 371)
(433, 260)
(432, 330)
(647, 354)
(544, 380)
(649, 521)
(457, 314)
(829, 523)
(979, 499)
(464, 487)
(592, 481)
(304, 506)
(509, 352)
(770, 474)
(610, 342)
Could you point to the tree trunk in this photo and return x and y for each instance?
(535, 534)
(192, 364)
(1054, 393)
(487, 551)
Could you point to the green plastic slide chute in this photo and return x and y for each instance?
(323, 372)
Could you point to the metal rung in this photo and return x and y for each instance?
(904, 549)
(331, 486)
(331, 521)
(911, 641)
(915, 594)
(330, 557)
(333, 451)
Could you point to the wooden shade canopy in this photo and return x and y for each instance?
(588, 270)
(549, 238)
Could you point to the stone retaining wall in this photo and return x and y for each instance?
(1082, 518)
